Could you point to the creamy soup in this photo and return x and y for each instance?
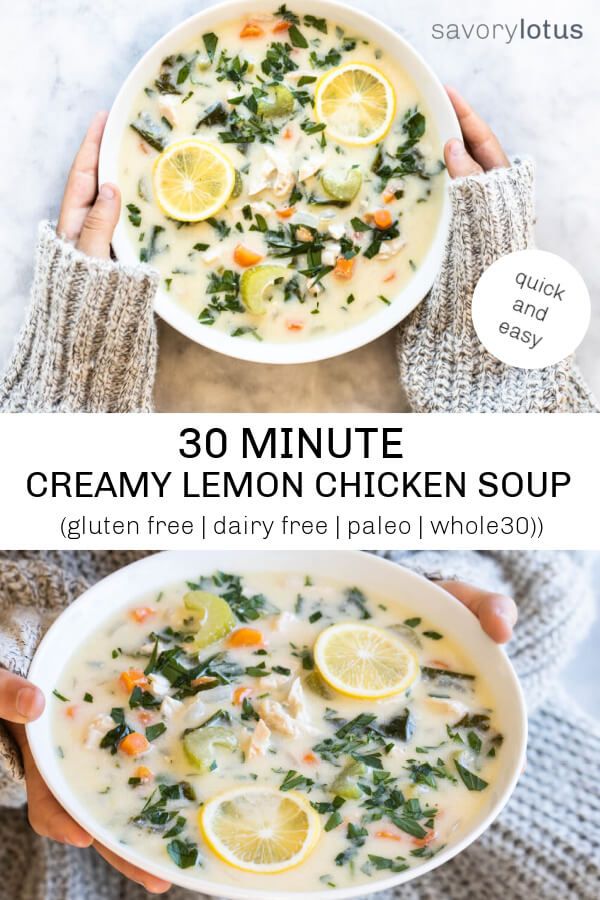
(218, 686)
(318, 233)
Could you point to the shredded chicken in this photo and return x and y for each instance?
(100, 726)
(256, 743)
(275, 716)
(310, 166)
(159, 685)
(256, 185)
(296, 702)
(391, 248)
(284, 178)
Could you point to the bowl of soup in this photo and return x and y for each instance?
(251, 724)
(282, 170)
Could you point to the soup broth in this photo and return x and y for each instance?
(344, 224)
(180, 698)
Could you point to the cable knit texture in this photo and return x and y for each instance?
(544, 846)
(443, 365)
(89, 341)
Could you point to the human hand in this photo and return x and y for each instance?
(481, 150)
(20, 702)
(87, 216)
(497, 613)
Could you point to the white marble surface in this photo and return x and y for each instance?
(71, 55)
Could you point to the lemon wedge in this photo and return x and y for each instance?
(192, 180)
(364, 662)
(260, 829)
(356, 102)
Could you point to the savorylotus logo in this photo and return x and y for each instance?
(507, 32)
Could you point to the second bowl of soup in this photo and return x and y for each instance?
(256, 724)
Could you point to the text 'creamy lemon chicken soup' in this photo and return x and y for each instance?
(245, 726)
(283, 175)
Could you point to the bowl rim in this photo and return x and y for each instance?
(183, 563)
(337, 343)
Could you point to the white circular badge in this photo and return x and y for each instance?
(531, 309)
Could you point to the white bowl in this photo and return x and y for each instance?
(103, 600)
(403, 303)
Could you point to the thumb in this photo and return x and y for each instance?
(458, 162)
(100, 223)
(20, 701)
(496, 613)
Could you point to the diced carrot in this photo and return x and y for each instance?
(250, 30)
(245, 637)
(310, 759)
(145, 717)
(281, 26)
(286, 212)
(134, 744)
(382, 218)
(294, 325)
(422, 842)
(389, 835)
(240, 694)
(132, 678)
(288, 133)
(141, 613)
(144, 774)
(344, 268)
(71, 712)
(388, 196)
(389, 277)
(243, 256)
(203, 679)
(439, 664)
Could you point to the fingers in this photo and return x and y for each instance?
(458, 162)
(82, 183)
(46, 815)
(20, 701)
(100, 223)
(152, 884)
(479, 138)
(496, 613)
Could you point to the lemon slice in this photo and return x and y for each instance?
(356, 102)
(364, 662)
(260, 829)
(192, 180)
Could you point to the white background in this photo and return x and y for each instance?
(97, 443)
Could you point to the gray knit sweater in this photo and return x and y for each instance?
(89, 341)
(544, 846)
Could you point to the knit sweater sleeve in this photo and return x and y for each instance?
(443, 365)
(89, 339)
(34, 589)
